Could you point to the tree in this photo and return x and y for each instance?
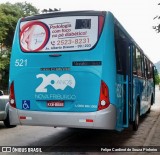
(157, 26)
(157, 77)
(9, 15)
(27, 9)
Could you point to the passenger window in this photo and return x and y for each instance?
(118, 55)
(122, 51)
(145, 68)
(134, 61)
(151, 71)
(138, 62)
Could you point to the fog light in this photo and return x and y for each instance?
(103, 102)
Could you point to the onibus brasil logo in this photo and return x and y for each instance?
(55, 81)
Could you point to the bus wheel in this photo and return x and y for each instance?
(151, 103)
(137, 117)
(149, 110)
(7, 122)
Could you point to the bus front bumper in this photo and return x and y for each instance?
(103, 119)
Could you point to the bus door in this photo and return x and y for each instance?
(123, 50)
(127, 84)
(132, 70)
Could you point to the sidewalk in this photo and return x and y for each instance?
(155, 141)
(153, 138)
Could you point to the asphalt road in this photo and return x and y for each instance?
(75, 139)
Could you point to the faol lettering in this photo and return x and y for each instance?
(55, 81)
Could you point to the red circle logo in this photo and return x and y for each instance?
(34, 36)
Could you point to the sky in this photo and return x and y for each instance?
(135, 15)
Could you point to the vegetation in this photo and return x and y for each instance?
(9, 15)
(157, 72)
(158, 66)
(157, 77)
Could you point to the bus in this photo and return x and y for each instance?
(78, 69)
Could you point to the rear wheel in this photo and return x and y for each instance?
(7, 122)
(137, 117)
(151, 103)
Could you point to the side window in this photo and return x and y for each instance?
(148, 73)
(117, 50)
(134, 61)
(150, 70)
(145, 67)
(138, 62)
(122, 51)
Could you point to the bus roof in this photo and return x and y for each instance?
(64, 13)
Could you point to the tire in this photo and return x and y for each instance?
(149, 110)
(7, 122)
(151, 103)
(137, 117)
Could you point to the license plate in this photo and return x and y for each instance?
(55, 103)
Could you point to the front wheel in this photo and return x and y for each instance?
(137, 117)
(7, 122)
